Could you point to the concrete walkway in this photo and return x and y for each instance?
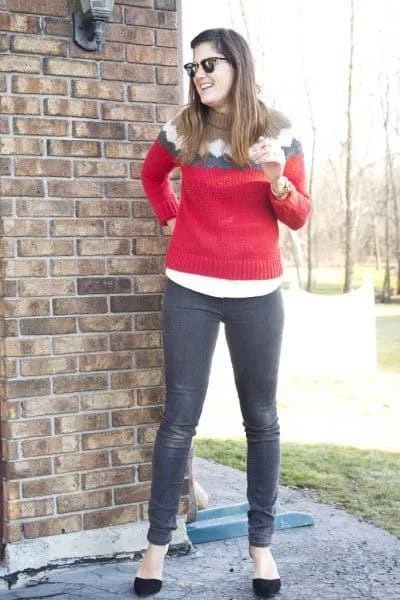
(339, 558)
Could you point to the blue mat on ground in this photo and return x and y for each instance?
(229, 521)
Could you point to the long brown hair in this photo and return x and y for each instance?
(250, 115)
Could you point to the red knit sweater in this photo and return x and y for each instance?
(226, 220)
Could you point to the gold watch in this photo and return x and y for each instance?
(286, 189)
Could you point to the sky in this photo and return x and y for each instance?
(306, 42)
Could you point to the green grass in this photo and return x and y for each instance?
(364, 482)
(330, 280)
(388, 337)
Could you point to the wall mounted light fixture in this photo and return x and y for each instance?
(89, 23)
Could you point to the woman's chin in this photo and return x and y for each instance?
(207, 100)
(211, 103)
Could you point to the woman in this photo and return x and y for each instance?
(242, 171)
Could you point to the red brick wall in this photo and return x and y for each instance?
(82, 263)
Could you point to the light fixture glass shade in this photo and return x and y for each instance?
(94, 6)
(85, 4)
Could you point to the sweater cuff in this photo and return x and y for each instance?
(165, 211)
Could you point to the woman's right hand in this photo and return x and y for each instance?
(171, 224)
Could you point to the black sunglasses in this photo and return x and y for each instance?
(208, 65)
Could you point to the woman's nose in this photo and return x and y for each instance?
(200, 72)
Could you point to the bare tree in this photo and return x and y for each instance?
(397, 225)
(390, 189)
(391, 64)
(349, 220)
(386, 288)
(244, 18)
(310, 228)
(310, 224)
(396, 208)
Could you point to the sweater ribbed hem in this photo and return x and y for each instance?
(256, 268)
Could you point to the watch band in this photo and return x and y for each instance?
(285, 189)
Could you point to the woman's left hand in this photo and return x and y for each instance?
(270, 156)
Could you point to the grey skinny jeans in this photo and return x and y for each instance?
(253, 330)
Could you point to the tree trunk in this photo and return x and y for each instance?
(310, 256)
(398, 277)
(310, 245)
(396, 212)
(377, 249)
(297, 254)
(349, 221)
(386, 290)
